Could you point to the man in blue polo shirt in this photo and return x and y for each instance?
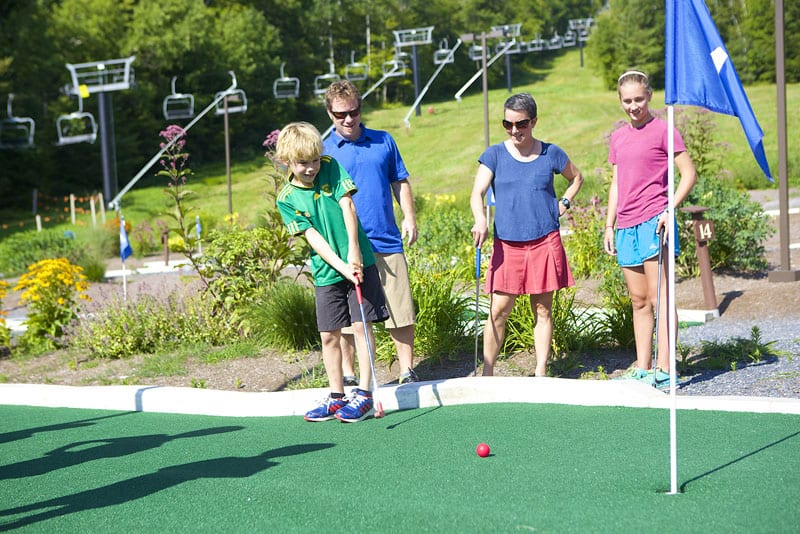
(373, 161)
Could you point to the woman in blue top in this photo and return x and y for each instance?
(528, 257)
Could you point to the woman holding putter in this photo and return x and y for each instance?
(528, 257)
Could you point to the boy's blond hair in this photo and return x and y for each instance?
(298, 141)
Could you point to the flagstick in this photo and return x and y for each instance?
(124, 282)
(671, 311)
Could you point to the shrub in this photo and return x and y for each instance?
(22, 249)
(284, 317)
(574, 330)
(145, 239)
(50, 289)
(618, 318)
(740, 229)
(444, 238)
(445, 316)
(148, 324)
(584, 244)
(5, 333)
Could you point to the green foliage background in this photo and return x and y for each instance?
(199, 42)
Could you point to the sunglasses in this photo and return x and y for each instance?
(521, 125)
(343, 114)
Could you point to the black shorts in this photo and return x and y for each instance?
(337, 304)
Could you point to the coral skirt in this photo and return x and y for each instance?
(529, 267)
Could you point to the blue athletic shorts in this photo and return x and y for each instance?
(639, 243)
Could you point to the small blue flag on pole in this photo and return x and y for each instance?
(197, 227)
(125, 250)
(699, 71)
(490, 196)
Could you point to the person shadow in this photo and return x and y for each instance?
(144, 485)
(97, 449)
(18, 435)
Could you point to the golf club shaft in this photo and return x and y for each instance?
(477, 296)
(375, 397)
(658, 297)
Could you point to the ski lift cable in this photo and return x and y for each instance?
(115, 202)
(369, 91)
(430, 81)
(488, 64)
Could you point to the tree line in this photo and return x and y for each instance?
(199, 42)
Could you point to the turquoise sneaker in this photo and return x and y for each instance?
(659, 379)
(634, 373)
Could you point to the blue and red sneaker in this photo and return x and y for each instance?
(360, 407)
(327, 409)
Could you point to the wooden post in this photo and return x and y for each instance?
(72, 207)
(703, 233)
(94, 212)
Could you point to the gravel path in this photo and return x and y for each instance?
(772, 377)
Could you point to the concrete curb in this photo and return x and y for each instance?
(451, 392)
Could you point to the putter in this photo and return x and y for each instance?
(477, 295)
(658, 298)
(378, 406)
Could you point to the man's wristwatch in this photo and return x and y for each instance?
(565, 201)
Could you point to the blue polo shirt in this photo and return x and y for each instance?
(373, 161)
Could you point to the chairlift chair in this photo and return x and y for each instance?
(322, 81)
(234, 96)
(555, 42)
(570, 39)
(515, 47)
(16, 132)
(76, 127)
(286, 86)
(476, 52)
(355, 71)
(178, 105)
(444, 54)
(395, 67)
(537, 44)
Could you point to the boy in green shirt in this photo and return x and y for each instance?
(316, 203)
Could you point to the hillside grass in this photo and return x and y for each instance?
(441, 148)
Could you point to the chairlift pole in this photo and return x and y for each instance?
(415, 68)
(227, 153)
(108, 153)
(508, 59)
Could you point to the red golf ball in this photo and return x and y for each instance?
(482, 450)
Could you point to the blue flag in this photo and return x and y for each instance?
(699, 71)
(198, 228)
(125, 250)
(490, 196)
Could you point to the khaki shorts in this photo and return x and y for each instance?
(393, 271)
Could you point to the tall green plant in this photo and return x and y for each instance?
(584, 243)
(444, 315)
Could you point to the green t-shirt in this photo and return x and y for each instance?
(318, 207)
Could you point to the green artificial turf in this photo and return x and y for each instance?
(553, 468)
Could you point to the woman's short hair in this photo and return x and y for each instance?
(522, 102)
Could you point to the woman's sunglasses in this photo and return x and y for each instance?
(521, 125)
(343, 114)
